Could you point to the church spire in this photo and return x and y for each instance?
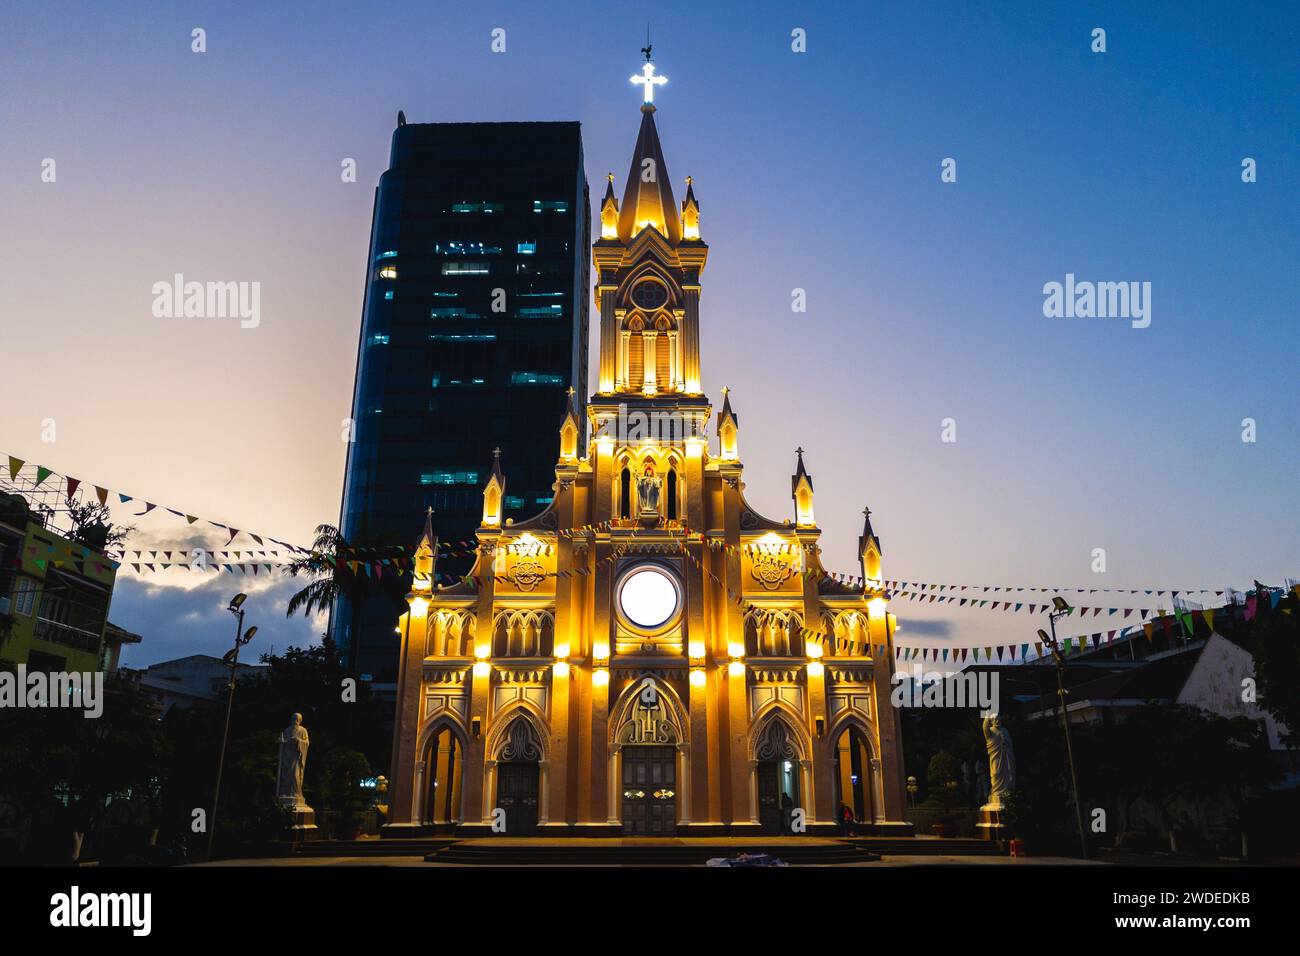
(728, 429)
(869, 549)
(609, 212)
(690, 212)
(570, 429)
(426, 553)
(494, 494)
(648, 195)
(801, 490)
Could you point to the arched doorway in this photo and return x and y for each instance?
(648, 760)
(854, 774)
(519, 778)
(778, 773)
(444, 760)
(649, 790)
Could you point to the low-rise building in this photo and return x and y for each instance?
(1176, 659)
(197, 678)
(54, 596)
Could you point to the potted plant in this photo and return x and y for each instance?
(340, 791)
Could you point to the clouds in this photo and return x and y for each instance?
(176, 621)
(939, 627)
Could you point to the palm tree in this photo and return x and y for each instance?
(331, 576)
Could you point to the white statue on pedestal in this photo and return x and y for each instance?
(293, 760)
(1002, 761)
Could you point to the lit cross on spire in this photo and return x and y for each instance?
(649, 81)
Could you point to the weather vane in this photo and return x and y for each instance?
(647, 76)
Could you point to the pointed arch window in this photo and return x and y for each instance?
(625, 494)
(672, 494)
(663, 362)
(636, 359)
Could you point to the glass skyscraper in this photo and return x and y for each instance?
(474, 329)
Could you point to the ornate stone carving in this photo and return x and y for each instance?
(527, 574)
(774, 742)
(770, 570)
(521, 742)
(648, 722)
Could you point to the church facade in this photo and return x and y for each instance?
(649, 655)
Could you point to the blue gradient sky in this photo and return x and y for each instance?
(816, 170)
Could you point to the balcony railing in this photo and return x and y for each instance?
(67, 635)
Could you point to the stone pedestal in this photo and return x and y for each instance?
(991, 826)
(303, 821)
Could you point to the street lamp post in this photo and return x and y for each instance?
(242, 637)
(1059, 609)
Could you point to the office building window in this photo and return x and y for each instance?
(551, 205)
(526, 248)
(466, 268)
(462, 477)
(536, 378)
(458, 248)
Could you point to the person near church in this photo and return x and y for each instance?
(845, 814)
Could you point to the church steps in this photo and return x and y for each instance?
(562, 851)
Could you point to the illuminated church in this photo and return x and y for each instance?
(649, 655)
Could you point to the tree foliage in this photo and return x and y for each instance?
(93, 527)
(68, 773)
(1275, 643)
(331, 576)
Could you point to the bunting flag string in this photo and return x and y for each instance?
(1033, 607)
(255, 568)
(355, 557)
(371, 562)
(102, 492)
(899, 585)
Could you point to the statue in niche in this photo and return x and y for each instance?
(648, 486)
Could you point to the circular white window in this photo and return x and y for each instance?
(649, 597)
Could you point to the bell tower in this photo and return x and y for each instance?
(648, 262)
